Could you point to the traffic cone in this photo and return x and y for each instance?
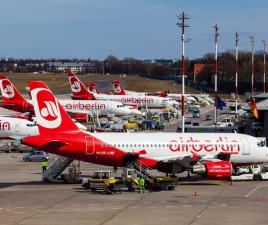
(195, 192)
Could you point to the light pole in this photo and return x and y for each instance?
(183, 25)
(264, 64)
(252, 64)
(216, 34)
(236, 72)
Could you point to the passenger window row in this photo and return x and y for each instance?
(168, 145)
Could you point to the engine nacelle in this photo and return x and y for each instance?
(80, 117)
(220, 170)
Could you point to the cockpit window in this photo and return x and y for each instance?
(30, 125)
(261, 144)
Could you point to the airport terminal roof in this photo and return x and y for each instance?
(261, 95)
(263, 105)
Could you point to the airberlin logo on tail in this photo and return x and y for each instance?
(116, 87)
(49, 110)
(75, 85)
(7, 89)
(92, 88)
(46, 108)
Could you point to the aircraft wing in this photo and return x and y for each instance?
(188, 159)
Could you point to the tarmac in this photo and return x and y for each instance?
(25, 200)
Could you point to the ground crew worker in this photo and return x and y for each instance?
(141, 183)
(250, 168)
(44, 165)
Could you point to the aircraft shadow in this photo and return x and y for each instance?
(4, 185)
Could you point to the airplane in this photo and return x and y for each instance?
(119, 90)
(17, 127)
(91, 86)
(13, 100)
(79, 91)
(211, 155)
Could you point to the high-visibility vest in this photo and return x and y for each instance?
(44, 163)
(141, 182)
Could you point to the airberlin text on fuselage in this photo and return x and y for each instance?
(221, 144)
(79, 105)
(4, 125)
(137, 100)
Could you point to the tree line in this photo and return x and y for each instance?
(162, 69)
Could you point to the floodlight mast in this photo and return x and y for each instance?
(252, 64)
(182, 23)
(264, 65)
(216, 34)
(236, 72)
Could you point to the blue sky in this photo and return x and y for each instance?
(125, 28)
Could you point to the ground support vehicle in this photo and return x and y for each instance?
(73, 175)
(226, 122)
(164, 183)
(129, 179)
(256, 176)
(103, 181)
(131, 125)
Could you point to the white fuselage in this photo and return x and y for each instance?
(173, 96)
(96, 108)
(174, 146)
(140, 100)
(16, 128)
(101, 108)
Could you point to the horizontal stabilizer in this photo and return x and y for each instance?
(6, 104)
(141, 152)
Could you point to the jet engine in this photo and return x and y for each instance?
(218, 170)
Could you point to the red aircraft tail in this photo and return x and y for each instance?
(50, 116)
(79, 91)
(117, 88)
(92, 87)
(12, 99)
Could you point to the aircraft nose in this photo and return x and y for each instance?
(135, 112)
(125, 111)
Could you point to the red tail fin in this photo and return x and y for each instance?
(12, 99)
(92, 87)
(51, 117)
(117, 88)
(79, 91)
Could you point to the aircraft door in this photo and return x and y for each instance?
(17, 127)
(90, 145)
(245, 145)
